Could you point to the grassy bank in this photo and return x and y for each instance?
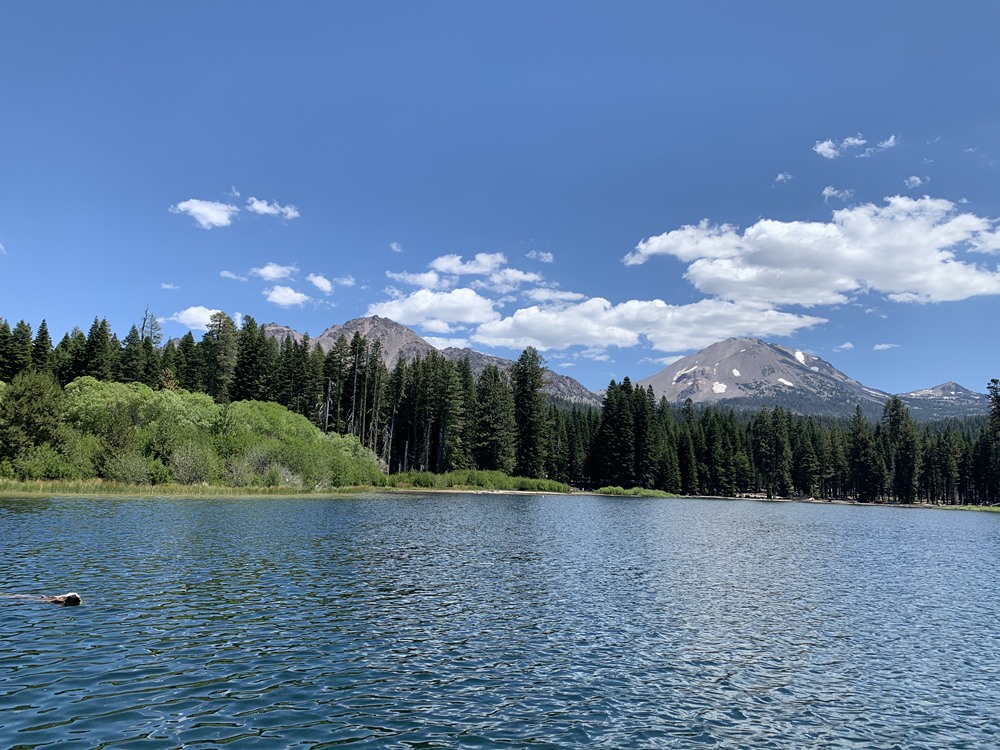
(616, 491)
(455, 480)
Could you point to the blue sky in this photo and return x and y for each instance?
(616, 184)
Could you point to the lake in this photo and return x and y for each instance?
(497, 621)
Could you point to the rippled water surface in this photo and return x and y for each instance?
(492, 620)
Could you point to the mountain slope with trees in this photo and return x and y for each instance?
(242, 408)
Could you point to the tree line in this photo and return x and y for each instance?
(432, 414)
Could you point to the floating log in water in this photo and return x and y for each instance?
(71, 599)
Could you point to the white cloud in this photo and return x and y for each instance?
(3, 250)
(831, 192)
(256, 206)
(231, 275)
(784, 177)
(846, 346)
(541, 256)
(456, 306)
(273, 271)
(208, 214)
(441, 343)
(564, 365)
(826, 149)
(830, 149)
(395, 247)
(166, 285)
(913, 181)
(320, 282)
(437, 326)
(482, 264)
(666, 327)
(507, 280)
(196, 318)
(426, 280)
(344, 281)
(884, 347)
(285, 296)
(890, 142)
(909, 249)
(545, 294)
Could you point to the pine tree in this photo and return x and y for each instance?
(218, 356)
(527, 380)
(20, 349)
(495, 427)
(130, 361)
(6, 341)
(98, 356)
(41, 349)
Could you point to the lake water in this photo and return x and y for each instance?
(494, 620)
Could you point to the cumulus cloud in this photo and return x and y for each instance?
(884, 347)
(344, 281)
(909, 249)
(830, 149)
(666, 327)
(395, 247)
(285, 296)
(831, 192)
(320, 282)
(564, 365)
(231, 275)
(273, 271)
(257, 206)
(481, 265)
(3, 250)
(167, 285)
(913, 181)
(442, 343)
(545, 294)
(846, 346)
(783, 177)
(437, 326)
(208, 214)
(456, 306)
(827, 149)
(507, 280)
(426, 280)
(541, 256)
(196, 318)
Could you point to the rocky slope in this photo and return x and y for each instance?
(399, 342)
(749, 373)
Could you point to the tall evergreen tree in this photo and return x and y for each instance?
(99, 355)
(496, 428)
(527, 379)
(218, 356)
(20, 349)
(41, 349)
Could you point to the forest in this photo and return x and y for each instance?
(240, 408)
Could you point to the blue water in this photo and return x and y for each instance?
(493, 621)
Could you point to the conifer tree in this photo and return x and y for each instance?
(130, 361)
(20, 349)
(6, 341)
(527, 380)
(98, 357)
(41, 349)
(496, 429)
(218, 356)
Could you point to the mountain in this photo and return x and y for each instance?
(749, 373)
(947, 400)
(399, 342)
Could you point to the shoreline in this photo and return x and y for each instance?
(90, 489)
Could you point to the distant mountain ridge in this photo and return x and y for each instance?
(743, 373)
(750, 373)
(399, 342)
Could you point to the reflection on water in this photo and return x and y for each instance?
(485, 620)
